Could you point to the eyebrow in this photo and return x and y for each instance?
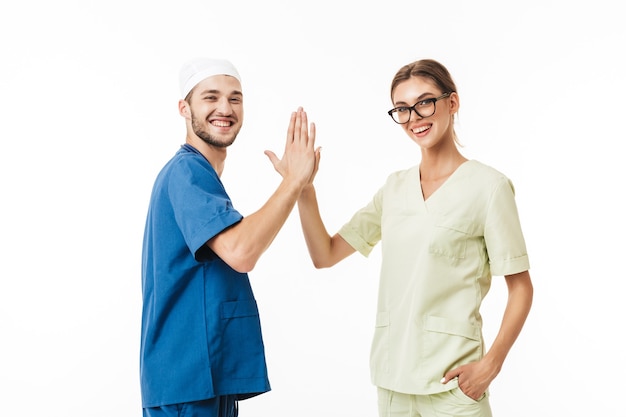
(232, 93)
(420, 98)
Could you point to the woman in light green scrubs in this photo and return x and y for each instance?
(448, 225)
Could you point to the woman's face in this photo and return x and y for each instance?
(433, 130)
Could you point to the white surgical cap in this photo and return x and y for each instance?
(198, 69)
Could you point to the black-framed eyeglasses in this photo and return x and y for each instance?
(423, 108)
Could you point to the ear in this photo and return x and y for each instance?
(183, 109)
(454, 103)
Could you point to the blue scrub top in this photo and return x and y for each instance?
(201, 333)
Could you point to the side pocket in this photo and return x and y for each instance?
(451, 327)
(241, 343)
(379, 360)
(449, 343)
(462, 398)
(241, 308)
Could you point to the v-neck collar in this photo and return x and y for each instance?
(443, 184)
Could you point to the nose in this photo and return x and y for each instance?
(224, 107)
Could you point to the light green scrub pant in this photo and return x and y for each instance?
(453, 403)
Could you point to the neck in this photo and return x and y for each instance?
(215, 155)
(436, 165)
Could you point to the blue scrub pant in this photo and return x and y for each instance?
(453, 403)
(224, 406)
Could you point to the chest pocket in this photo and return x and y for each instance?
(449, 237)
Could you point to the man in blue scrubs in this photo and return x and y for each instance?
(201, 344)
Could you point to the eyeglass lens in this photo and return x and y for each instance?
(424, 108)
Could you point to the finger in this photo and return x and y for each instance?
(291, 128)
(316, 164)
(318, 156)
(312, 134)
(304, 127)
(298, 126)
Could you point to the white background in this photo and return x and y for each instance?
(88, 108)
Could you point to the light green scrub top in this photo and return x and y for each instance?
(438, 257)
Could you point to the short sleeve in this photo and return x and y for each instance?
(363, 231)
(504, 239)
(202, 208)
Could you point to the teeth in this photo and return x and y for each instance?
(421, 129)
(220, 123)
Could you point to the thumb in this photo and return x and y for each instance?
(451, 374)
(272, 157)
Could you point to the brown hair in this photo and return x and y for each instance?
(427, 68)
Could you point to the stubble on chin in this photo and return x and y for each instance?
(211, 139)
